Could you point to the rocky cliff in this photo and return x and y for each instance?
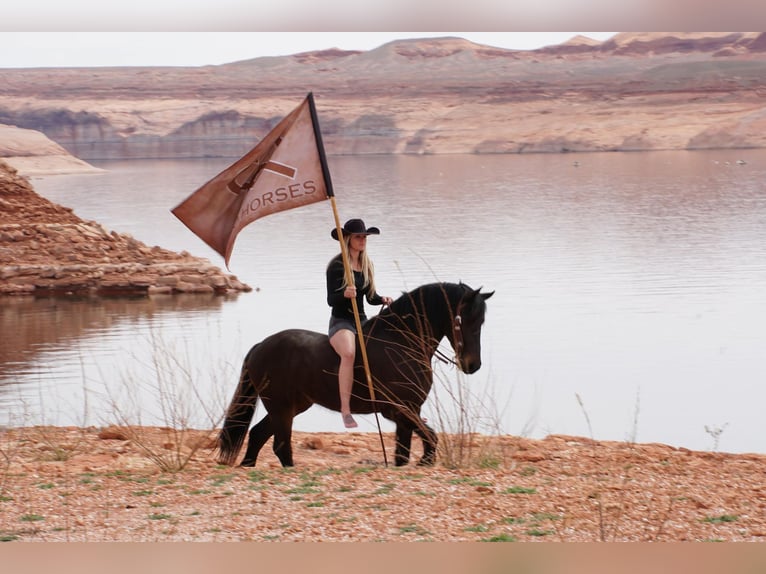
(632, 92)
(45, 249)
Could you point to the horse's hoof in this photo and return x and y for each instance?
(247, 463)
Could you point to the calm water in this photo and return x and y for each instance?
(629, 294)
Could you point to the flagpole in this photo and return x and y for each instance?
(347, 269)
(362, 347)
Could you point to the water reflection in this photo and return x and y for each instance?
(30, 327)
(633, 280)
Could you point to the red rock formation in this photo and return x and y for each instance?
(46, 249)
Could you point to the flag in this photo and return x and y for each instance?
(287, 169)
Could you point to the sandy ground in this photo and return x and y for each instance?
(151, 484)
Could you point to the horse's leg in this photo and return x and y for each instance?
(430, 440)
(283, 433)
(403, 440)
(259, 434)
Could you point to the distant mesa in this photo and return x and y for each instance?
(633, 92)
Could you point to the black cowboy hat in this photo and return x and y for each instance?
(355, 227)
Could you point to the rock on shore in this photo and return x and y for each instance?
(45, 249)
(30, 152)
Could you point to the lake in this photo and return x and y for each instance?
(629, 294)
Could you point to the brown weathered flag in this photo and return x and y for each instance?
(286, 169)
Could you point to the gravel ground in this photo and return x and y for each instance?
(123, 484)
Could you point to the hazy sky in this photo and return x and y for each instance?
(74, 49)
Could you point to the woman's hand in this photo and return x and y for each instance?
(387, 301)
(350, 292)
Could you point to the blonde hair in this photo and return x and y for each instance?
(368, 269)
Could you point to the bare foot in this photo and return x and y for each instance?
(349, 422)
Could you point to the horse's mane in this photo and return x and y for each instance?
(428, 297)
(438, 302)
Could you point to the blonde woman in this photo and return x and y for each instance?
(342, 329)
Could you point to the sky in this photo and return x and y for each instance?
(90, 49)
(73, 33)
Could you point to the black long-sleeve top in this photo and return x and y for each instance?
(341, 306)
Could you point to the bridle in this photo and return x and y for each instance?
(457, 342)
(457, 334)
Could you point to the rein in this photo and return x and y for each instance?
(444, 358)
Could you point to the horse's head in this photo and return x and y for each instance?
(433, 311)
(465, 334)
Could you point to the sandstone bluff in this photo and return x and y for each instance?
(45, 249)
(635, 91)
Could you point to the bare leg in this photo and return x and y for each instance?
(344, 343)
(345, 382)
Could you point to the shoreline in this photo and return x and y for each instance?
(35, 166)
(521, 443)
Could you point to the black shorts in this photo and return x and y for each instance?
(337, 324)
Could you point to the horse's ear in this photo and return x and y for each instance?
(484, 296)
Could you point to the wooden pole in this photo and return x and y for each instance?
(348, 272)
(362, 347)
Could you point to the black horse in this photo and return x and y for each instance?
(293, 369)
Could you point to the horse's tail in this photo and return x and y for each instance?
(238, 416)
